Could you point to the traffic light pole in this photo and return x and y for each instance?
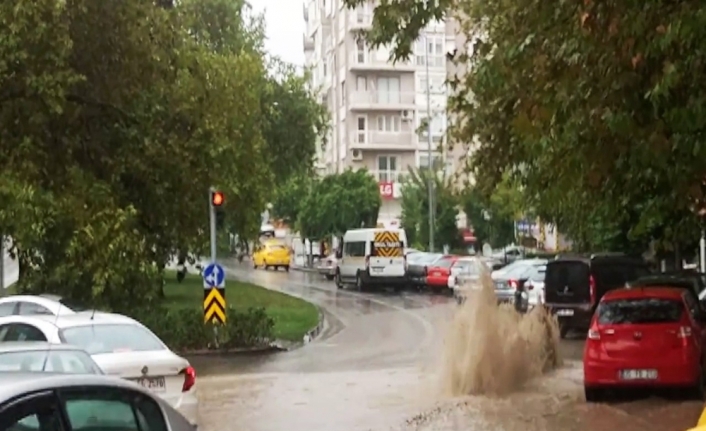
(212, 223)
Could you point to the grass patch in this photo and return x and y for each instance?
(293, 317)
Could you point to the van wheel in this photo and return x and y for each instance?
(339, 283)
(254, 265)
(593, 395)
(359, 282)
(286, 268)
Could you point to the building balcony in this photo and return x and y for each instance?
(383, 141)
(369, 62)
(308, 43)
(381, 100)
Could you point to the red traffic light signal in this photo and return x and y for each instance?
(217, 198)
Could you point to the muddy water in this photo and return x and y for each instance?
(383, 364)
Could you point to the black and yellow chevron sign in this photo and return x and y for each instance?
(388, 244)
(214, 305)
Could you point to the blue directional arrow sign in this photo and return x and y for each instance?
(214, 276)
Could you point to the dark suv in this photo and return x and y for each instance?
(573, 285)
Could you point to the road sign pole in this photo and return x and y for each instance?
(212, 225)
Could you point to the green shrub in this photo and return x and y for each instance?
(183, 329)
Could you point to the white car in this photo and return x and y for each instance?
(120, 346)
(31, 305)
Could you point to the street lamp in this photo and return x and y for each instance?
(430, 179)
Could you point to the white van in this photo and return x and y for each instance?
(372, 257)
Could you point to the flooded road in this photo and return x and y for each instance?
(375, 367)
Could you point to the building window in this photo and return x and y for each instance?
(435, 48)
(360, 51)
(388, 90)
(343, 93)
(362, 130)
(387, 169)
(388, 123)
(361, 83)
(424, 161)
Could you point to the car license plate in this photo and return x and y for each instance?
(565, 312)
(155, 384)
(638, 374)
(436, 274)
(377, 270)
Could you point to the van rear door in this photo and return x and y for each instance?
(387, 255)
(567, 282)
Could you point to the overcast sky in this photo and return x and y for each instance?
(285, 27)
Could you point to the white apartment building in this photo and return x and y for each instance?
(376, 106)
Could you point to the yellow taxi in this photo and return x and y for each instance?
(701, 425)
(271, 254)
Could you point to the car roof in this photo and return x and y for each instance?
(615, 257)
(49, 300)
(24, 346)
(640, 292)
(15, 384)
(85, 318)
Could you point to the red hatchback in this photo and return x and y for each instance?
(439, 272)
(645, 337)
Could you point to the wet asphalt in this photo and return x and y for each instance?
(375, 367)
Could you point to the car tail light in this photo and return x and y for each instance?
(189, 378)
(594, 334)
(592, 289)
(514, 284)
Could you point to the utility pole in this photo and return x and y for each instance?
(2, 265)
(430, 179)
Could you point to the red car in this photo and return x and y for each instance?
(645, 337)
(438, 273)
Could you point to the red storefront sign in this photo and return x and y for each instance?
(386, 190)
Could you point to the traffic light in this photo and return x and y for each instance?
(217, 198)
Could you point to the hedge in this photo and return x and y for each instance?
(184, 330)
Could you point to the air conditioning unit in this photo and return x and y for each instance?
(356, 155)
(406, 115)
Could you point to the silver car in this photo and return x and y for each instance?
(121, 346)
(33, 356)
(327, 267)
(44, 401)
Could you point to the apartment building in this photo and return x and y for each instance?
(377, 106)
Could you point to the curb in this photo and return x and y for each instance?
(303, 269)
(262, 350)
(316, 331)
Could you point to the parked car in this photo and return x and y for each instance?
(510, 283)
(120, 346)
(648, 337)
(272, 253)
(327, 267)
(27, 305)
(46, 357)
(417, 268)
(574, 285)
(465, 275)
(691, 281)
(39, 401)
(438, 273)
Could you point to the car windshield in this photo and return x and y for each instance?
(49, 361)
(514, 265)
(466, 267)
(113, 338)
(275, 247)
(444, 262)
(640, 311)
(429, 258)
(517, 271)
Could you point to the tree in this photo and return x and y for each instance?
(593, 108)
(415, 210)
(339, 202)
(295, 123)
(112, 128)
(289, 198)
